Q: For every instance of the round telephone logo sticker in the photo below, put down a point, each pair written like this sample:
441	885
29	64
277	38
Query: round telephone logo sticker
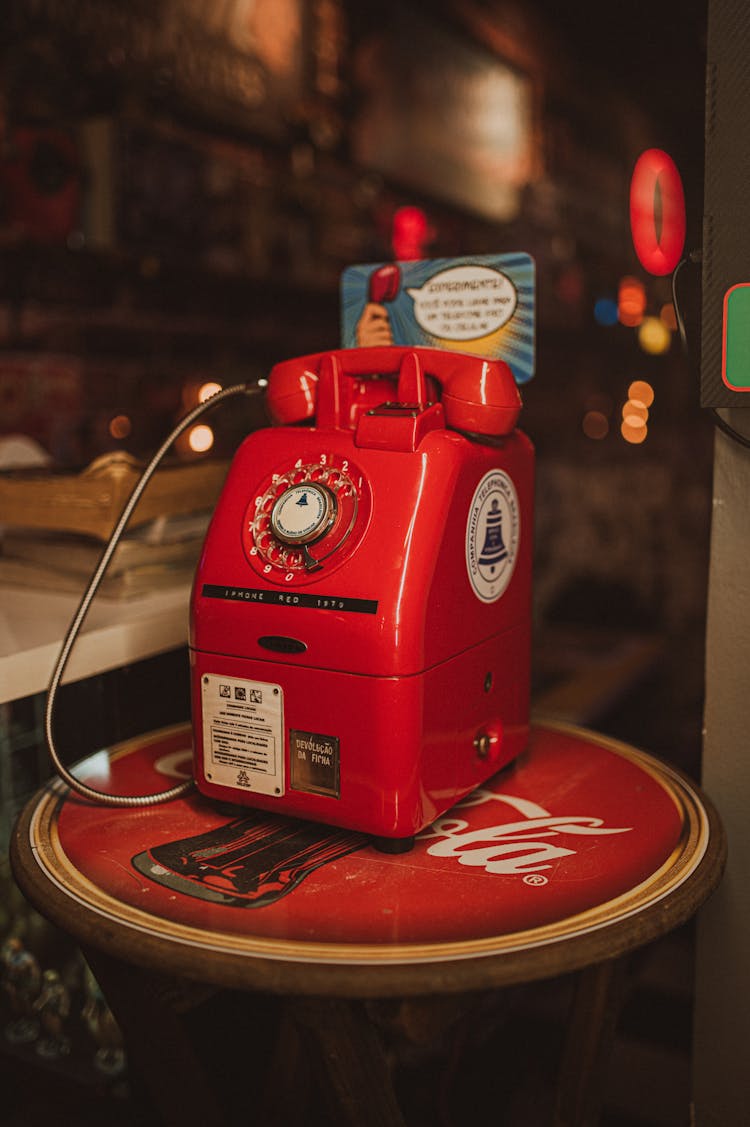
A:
492	532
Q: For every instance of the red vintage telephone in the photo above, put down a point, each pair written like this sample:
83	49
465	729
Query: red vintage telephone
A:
361	611
360	626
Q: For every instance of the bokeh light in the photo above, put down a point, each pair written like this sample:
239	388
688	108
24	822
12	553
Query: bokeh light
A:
207	390
634	434
595	425
605	311
635	413
201	439
410	234
631	302
653	336
634	426
641	392
668	316
120	426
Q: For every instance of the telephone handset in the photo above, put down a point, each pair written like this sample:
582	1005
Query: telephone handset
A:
477	395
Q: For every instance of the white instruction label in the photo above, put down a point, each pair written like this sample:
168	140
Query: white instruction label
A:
243	734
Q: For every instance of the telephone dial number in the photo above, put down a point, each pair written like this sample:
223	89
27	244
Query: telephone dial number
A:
305	519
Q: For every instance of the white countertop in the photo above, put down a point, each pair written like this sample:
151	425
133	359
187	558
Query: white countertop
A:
115	633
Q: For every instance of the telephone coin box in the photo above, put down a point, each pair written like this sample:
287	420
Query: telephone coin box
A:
361	612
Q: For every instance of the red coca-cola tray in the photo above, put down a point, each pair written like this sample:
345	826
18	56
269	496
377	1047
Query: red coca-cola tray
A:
581	838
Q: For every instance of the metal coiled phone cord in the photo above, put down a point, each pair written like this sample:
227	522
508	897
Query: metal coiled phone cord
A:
88	597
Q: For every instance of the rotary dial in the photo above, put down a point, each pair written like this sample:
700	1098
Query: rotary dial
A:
303	514
303	519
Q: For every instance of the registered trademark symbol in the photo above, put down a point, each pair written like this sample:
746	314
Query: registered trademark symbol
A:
536	880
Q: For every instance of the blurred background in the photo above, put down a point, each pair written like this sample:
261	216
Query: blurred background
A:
182	184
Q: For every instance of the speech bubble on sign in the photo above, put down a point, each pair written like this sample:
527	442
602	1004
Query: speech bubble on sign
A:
464	302
479	304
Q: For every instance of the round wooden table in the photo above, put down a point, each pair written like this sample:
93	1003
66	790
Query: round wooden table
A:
576	854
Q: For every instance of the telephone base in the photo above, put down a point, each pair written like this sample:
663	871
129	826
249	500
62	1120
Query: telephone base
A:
393	844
